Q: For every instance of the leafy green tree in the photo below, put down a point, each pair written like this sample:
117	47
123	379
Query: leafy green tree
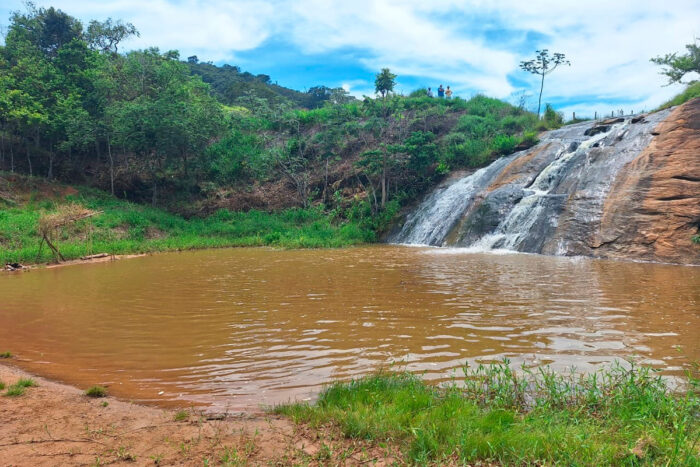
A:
388	159
106	35
58	29
543	65
384	82
677	66
164	115
339	96
46	29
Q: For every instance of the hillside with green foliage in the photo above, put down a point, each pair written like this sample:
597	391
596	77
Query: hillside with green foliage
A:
380	153
193	138
232	86
148	127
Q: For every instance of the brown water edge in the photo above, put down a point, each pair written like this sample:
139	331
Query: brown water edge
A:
236	328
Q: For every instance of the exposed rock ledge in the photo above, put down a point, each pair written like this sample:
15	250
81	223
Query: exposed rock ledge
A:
653	208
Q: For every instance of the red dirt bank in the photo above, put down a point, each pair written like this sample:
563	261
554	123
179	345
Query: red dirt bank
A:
54	424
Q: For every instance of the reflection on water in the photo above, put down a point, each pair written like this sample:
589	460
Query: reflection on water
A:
235	328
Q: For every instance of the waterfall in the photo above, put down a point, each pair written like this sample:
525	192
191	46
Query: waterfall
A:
437	214
542	200
521	220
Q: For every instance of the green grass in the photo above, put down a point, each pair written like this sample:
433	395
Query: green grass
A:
127	228
26	383
19	387
181	415
2	386
614	417
14	391
691	92
6	355
96	391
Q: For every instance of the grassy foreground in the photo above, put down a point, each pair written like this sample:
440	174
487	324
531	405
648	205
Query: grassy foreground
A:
614	417
121	227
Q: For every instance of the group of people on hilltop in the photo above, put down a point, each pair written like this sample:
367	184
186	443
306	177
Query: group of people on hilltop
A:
441	92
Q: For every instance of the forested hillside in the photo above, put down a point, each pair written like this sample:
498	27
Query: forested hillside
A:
194	138
232	86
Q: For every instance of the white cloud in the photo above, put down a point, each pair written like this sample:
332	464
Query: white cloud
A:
398	36
608	42
215	30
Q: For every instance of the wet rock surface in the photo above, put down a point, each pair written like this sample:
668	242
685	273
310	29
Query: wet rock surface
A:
619	188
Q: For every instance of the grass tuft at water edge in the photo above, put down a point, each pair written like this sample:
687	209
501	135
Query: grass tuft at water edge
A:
617	416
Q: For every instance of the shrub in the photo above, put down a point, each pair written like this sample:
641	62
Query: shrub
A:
552	118
471	153
96	391
453	139
511	123
529	138
483	106
476	126
504	144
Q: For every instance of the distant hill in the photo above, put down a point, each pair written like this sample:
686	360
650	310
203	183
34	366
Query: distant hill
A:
229	84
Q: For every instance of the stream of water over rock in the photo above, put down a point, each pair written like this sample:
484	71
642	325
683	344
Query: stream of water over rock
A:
547	199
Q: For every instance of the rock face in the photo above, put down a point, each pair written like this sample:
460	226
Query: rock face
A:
653	209
621	188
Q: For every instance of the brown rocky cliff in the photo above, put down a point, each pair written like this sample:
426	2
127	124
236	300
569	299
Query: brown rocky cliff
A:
653	209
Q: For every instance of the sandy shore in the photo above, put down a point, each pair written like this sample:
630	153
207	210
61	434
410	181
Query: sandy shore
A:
56	424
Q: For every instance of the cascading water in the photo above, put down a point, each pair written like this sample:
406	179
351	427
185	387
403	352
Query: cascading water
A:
438	213
543	200
518	224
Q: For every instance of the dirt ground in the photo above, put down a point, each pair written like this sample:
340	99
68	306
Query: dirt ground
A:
54	424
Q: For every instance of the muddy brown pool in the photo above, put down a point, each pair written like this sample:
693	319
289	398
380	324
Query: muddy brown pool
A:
235	328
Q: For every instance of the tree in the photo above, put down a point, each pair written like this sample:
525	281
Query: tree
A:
677	66
543	65
57	29
340	96
318	95
106	36
384	82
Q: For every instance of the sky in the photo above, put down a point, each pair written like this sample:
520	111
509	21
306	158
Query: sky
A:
475	46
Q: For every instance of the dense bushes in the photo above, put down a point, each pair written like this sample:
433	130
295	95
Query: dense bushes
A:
399	146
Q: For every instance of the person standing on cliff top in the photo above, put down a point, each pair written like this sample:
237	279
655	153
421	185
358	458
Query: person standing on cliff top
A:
448	93
441	92
429	93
